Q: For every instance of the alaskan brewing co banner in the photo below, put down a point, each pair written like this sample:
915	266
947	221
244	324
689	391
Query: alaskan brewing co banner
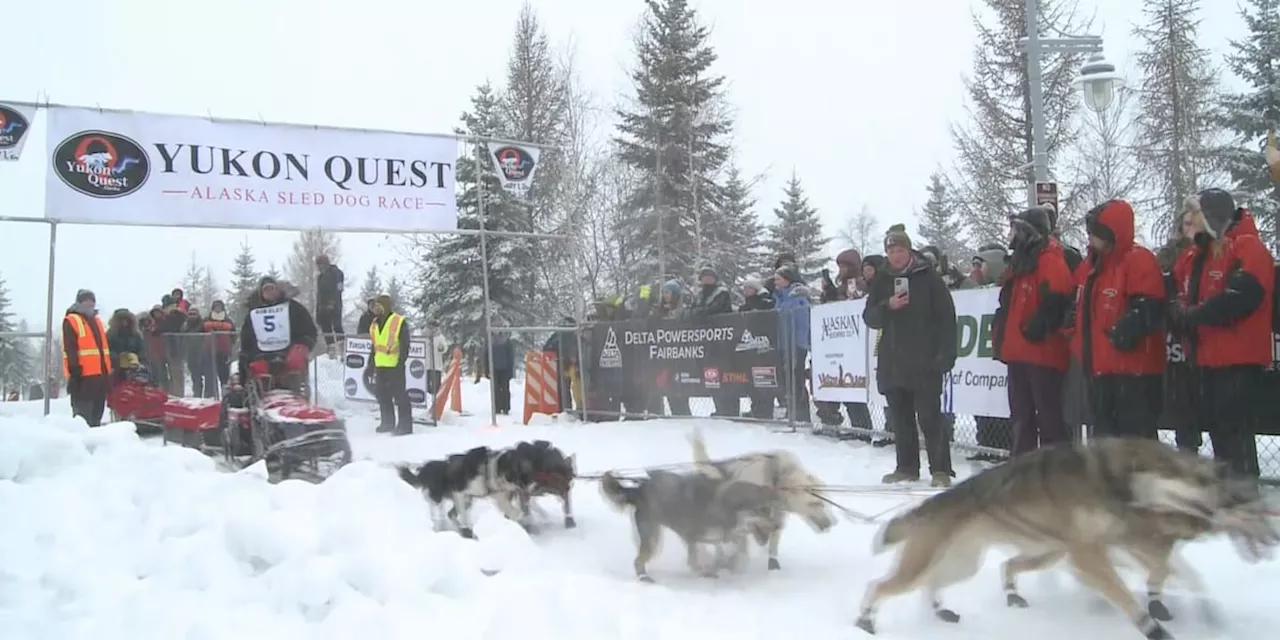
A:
839	352
978	384
730	353
151	169
15	125
356	386
515	165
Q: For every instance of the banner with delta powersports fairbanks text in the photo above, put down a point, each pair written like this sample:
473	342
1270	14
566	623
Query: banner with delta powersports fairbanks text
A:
115	167
729	354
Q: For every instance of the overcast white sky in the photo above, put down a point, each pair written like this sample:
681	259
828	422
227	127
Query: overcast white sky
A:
855	96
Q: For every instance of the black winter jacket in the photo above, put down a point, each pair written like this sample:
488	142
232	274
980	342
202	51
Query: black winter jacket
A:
918	341
329	285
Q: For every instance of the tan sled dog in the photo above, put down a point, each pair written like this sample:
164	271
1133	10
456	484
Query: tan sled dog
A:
779	471
1071	501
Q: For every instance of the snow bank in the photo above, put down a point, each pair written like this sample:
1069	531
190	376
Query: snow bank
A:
104	537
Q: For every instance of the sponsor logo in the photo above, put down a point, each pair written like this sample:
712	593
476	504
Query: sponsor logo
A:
355	361
350	387
515	163
841	380
417	396
610	354
735	377
711	378
686	378
417	369
753	343
838	327
13	126
101	164
764	377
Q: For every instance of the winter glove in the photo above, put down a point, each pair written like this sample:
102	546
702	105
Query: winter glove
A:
259	369
1123	340
296	358
73	384
1069	322
1034	332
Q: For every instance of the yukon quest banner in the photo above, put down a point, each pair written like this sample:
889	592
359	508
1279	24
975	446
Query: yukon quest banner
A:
839	353
358	381
141	168
726	354
15	128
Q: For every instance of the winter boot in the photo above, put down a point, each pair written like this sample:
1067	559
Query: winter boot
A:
941	481
900	476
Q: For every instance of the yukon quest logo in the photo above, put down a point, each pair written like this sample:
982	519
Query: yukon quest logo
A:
101	164
515	163
13	126
350	387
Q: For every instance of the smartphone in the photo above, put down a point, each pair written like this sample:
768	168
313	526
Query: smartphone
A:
899	286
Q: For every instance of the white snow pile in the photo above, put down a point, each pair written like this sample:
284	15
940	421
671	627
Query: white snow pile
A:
105	537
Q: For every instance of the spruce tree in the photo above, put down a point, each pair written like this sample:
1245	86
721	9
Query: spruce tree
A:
940	225
207	292
797	229
17	361
300	268
449	281
1176	107
191	281
994	146
733	238
396	294
372	286
675	137
244	282
1249	114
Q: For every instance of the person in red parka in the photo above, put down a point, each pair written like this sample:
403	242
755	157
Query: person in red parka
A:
1222	314
1119	335
1035	293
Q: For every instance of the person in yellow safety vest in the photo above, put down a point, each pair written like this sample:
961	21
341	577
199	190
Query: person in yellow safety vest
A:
390	333
86	358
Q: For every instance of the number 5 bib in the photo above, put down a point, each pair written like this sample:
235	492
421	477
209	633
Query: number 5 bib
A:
271	327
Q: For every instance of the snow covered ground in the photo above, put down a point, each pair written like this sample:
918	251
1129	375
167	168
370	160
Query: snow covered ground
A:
104	537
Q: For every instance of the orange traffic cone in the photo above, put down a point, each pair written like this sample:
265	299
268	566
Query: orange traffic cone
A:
541	389
450	388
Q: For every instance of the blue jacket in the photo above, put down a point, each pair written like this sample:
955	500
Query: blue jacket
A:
793	304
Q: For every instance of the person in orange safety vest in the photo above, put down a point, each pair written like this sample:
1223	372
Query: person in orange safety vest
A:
86	358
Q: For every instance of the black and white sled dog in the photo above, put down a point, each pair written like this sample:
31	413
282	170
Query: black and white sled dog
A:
779	471
509	476
699	508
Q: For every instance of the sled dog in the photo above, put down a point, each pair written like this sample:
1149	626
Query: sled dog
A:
698	508
1070	501
552	474
779	471
463	477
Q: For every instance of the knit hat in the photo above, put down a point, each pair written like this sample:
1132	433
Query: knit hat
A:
897	236
1218	209
849	257
755	284
1032	224
266	280
322	260
708	270
85	295
218	305
789	272
383	301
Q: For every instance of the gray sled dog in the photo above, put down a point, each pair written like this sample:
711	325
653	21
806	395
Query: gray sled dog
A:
1076	502
779	471
698	508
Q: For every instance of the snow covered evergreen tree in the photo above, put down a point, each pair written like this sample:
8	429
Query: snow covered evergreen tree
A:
449	280
797	229
674	136
940	225
1176	107
191	282
733	237
1252	112
17	361
244	281
397	295
372	286
207	292
994	147
300	268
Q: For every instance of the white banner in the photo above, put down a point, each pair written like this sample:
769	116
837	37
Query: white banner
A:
15	125
163	170
356	386
515	165
978	384
839	352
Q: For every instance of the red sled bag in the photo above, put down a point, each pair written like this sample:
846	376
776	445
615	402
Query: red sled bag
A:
191	414
136	400
284	407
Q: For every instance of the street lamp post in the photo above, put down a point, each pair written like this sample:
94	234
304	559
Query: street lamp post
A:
1097	79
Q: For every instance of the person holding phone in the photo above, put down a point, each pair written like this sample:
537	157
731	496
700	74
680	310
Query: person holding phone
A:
910	305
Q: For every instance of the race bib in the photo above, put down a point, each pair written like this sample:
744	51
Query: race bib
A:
271	327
